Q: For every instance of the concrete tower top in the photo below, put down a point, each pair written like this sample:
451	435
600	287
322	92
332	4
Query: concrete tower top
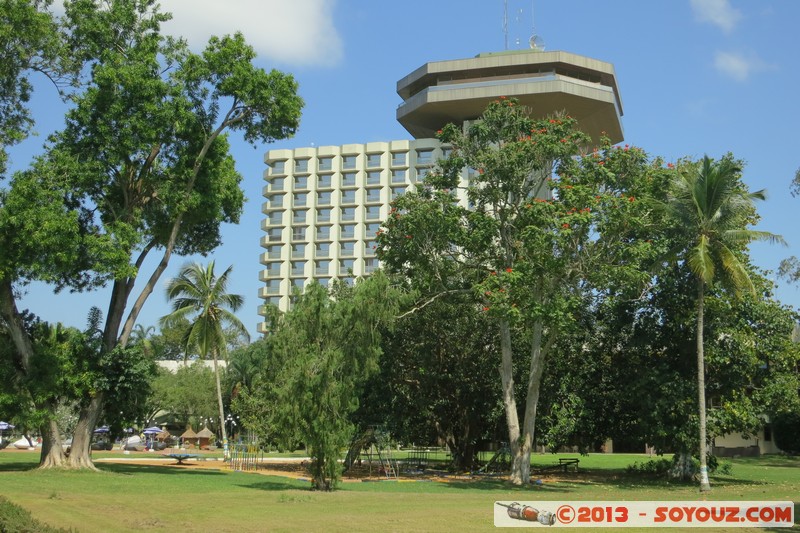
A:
455	91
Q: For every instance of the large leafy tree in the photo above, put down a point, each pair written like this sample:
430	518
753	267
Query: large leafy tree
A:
432	384
541	222
711	209
144	165
200	296
321	353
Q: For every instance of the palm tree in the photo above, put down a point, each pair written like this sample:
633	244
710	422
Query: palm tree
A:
199	295
711	210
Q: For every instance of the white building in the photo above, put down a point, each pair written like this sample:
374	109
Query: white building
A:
324	205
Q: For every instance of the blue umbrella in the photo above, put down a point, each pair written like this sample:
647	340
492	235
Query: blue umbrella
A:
5	425
152	430
103	429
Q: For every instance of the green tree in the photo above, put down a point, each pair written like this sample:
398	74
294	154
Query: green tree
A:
198	295
145	165
432	386
188	394
541	221
322	352
711	208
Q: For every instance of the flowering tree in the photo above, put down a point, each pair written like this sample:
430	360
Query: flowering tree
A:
541	223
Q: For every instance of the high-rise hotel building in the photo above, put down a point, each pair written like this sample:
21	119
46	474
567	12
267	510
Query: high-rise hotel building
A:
324	205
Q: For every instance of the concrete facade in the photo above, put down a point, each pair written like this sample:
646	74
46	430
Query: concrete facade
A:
324	205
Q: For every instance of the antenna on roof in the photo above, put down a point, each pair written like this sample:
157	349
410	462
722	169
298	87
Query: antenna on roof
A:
536	42
505	22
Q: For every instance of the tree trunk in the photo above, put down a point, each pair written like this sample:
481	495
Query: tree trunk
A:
52	451
705	486
221	410
538	354
510	404
80	455
53	455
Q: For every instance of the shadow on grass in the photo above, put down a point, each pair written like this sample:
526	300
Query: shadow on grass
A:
272	484
18	467
128	469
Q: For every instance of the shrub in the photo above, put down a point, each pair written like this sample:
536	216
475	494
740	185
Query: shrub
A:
786	429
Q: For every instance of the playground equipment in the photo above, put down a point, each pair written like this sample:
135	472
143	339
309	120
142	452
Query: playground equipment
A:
245	457
373	445
500	463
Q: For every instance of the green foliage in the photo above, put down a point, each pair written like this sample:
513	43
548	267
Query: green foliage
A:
322	352
188	394
436	381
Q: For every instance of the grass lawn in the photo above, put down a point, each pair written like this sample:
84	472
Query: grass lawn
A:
136	497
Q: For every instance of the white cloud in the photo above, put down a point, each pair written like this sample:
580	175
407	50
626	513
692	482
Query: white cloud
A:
737	66
717	12
295	32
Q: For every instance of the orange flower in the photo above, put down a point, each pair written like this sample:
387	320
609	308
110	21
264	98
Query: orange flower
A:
565	225
509	270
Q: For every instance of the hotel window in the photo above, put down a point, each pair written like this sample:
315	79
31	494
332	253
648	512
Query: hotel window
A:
345	266
370	247
298	251
298	268
370	265
274	270
298	234
348	280
276	184
278	167
446	152
349	162
273	300
298	284
325	181
325	163
347	231
321	268
274	201
323	233
425	156
324	214
324	281
398	159
422	173
273	286
348	197
323	249
372	212
374	177
301	165
373	195
399	175
300	199
349	179
348	214
301	182
324	198
373	160
347	249
274	235
275	218
397	191
274	251
299	217
370	230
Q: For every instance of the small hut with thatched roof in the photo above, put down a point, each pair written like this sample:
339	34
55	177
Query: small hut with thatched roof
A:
189	438
204	438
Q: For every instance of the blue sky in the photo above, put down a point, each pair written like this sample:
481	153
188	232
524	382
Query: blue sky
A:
696	77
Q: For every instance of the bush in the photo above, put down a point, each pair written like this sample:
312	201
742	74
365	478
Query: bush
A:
653	467
15	519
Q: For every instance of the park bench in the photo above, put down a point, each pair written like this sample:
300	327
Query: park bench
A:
181	457
565	462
